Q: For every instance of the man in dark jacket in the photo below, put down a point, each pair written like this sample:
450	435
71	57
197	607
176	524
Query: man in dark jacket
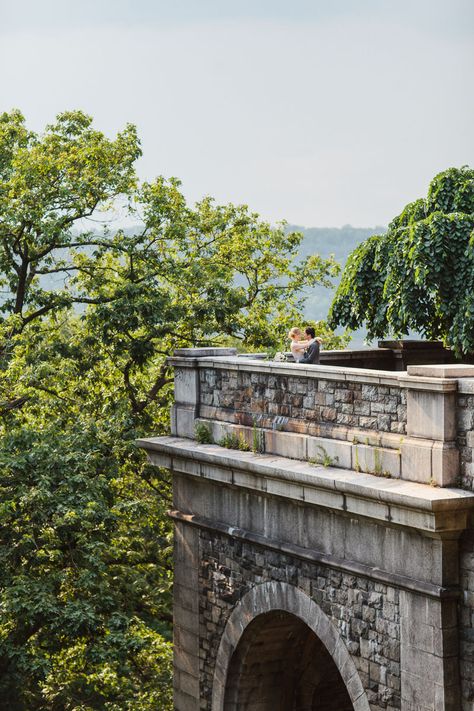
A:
311	355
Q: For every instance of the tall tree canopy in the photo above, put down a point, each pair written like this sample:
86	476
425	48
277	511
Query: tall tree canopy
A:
88	319
47	185
419	276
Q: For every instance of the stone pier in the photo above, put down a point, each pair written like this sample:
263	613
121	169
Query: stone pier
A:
324	554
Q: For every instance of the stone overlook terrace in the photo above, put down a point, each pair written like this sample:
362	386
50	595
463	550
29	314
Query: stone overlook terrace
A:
324	545
414	425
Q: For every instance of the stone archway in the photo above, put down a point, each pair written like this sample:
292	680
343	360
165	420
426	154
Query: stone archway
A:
309	656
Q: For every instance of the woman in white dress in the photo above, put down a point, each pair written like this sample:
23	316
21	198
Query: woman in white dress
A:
298	343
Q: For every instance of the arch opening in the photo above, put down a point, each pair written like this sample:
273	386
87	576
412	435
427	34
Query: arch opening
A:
280	664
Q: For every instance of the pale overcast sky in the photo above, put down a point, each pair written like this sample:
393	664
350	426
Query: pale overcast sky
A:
320	112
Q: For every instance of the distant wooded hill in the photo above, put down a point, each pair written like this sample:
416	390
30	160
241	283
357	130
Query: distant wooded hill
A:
339	241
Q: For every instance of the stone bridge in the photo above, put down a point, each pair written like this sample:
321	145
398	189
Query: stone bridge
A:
324	547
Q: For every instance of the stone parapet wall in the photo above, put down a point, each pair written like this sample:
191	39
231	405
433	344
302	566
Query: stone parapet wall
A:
465	433
301	405
401	424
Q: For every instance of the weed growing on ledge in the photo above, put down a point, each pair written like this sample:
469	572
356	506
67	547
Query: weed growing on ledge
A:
203	433
384	474
233	441
323	458
258	439
356	460
377	463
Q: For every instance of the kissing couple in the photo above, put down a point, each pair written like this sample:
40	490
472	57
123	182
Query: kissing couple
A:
305	349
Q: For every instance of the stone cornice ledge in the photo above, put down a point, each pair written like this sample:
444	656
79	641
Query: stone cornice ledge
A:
435	511
347	566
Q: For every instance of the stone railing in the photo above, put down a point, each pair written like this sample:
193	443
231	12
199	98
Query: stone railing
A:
415	424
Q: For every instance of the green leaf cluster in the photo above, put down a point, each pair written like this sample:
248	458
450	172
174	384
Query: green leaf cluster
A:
419	276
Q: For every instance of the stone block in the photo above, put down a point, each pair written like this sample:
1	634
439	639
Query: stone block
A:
216	429
204	352
431	415
416	460
330	452
367	507
438	370
320	497
419	635
465	419
286	444
441	613
328	414
369	423
189	684
186	552
360	704
287	489
186	598
158	459
444	464
186	386
211	471
417	692
183	421
184	639
184	661
187	466
184	702
376	460
248	480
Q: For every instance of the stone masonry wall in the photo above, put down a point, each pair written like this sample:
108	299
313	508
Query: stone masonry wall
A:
304	404
365	612
465	442
465	438
466	621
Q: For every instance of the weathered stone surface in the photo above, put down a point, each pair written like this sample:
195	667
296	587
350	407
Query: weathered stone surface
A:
204	352
381	566
247	396
230	569
431	415
449	370
465	438
186	619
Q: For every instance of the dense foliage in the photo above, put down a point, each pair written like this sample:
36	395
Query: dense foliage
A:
88	319
419	276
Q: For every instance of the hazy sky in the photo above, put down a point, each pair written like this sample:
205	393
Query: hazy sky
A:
320	112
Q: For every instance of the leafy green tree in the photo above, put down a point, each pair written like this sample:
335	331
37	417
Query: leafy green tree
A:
85	568
48	185
419	276
82	594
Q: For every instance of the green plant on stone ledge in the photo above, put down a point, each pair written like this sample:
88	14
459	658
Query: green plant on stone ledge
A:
258	439
233	441
323	458
203	433
377	462
356	458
